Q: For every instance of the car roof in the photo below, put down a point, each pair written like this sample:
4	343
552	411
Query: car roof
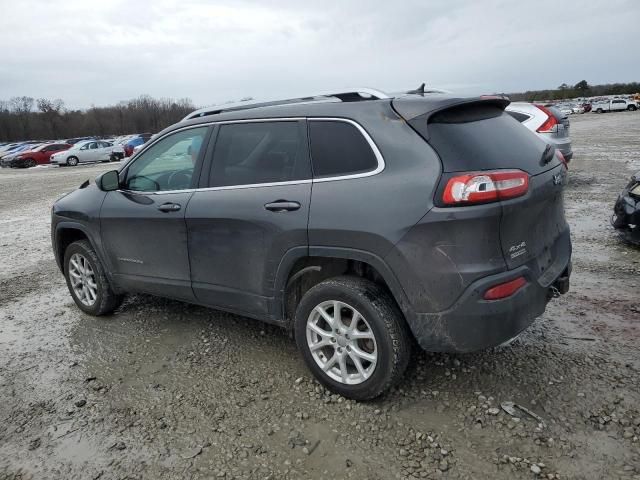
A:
352	104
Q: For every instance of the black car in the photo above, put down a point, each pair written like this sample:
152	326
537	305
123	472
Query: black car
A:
626	216
356	220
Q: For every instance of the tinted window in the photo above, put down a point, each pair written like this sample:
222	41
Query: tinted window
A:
618	101
168	164
483	137
521	117
338	148
263	152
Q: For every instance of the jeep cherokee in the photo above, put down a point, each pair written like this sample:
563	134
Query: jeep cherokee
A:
356	220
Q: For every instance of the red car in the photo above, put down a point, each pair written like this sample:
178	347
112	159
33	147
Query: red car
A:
40	155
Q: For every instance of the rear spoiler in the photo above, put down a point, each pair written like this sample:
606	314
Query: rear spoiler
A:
417	110
411	106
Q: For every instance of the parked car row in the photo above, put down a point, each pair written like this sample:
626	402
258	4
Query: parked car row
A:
598	105
70	151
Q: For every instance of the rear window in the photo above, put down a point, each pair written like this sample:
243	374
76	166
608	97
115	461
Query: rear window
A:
521	117
339	148
484	137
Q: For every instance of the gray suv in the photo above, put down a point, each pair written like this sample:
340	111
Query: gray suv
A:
360	222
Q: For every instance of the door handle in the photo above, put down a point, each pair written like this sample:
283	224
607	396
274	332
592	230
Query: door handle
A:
282	206
169	207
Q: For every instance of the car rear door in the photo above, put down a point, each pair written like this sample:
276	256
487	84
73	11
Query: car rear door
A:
104	150
143	223
618	105
252	211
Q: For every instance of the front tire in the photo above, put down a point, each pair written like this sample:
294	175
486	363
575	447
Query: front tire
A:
352	337
632	108
30	163
87	281
72	161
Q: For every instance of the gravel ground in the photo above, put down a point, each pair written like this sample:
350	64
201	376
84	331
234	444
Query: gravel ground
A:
167	390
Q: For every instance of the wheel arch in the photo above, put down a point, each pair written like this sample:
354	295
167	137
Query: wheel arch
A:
68	232
299	272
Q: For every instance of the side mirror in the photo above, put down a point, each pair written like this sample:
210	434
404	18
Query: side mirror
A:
108	181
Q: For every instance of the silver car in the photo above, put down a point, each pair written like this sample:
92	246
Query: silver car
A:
548	123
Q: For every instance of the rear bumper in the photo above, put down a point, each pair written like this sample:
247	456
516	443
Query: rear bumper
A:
473	323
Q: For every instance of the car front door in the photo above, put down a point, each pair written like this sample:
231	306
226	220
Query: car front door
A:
253	211
85	152
143	223
43	155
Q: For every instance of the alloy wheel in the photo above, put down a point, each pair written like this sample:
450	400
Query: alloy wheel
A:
83	279
342	342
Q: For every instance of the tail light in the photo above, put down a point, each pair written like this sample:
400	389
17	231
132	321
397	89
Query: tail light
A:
485	187
550	124
505	290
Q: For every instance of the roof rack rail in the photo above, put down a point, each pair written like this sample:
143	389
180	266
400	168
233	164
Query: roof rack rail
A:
350	95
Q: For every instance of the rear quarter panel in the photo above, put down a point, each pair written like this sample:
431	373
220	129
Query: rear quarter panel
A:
373	213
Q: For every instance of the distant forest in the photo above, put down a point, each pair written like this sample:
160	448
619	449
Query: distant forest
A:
580	89
26	118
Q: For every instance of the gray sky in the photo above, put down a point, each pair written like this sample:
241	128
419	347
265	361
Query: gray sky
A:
99	52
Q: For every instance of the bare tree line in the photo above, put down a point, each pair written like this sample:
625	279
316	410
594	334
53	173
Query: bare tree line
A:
580	89
26	118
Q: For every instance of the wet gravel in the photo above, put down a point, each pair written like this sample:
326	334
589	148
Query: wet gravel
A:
165	390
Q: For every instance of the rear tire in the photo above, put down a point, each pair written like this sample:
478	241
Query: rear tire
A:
87	281
72	161
358	361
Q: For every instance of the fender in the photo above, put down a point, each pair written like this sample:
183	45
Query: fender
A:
95	243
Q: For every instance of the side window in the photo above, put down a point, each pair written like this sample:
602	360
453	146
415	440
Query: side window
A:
260	152
93	145
168	164
339	148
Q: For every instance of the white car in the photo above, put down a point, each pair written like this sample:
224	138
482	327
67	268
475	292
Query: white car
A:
577	108
548	123
613	105
565	108
87	151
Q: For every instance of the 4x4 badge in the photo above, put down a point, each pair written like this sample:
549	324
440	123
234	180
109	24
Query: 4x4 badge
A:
557	179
